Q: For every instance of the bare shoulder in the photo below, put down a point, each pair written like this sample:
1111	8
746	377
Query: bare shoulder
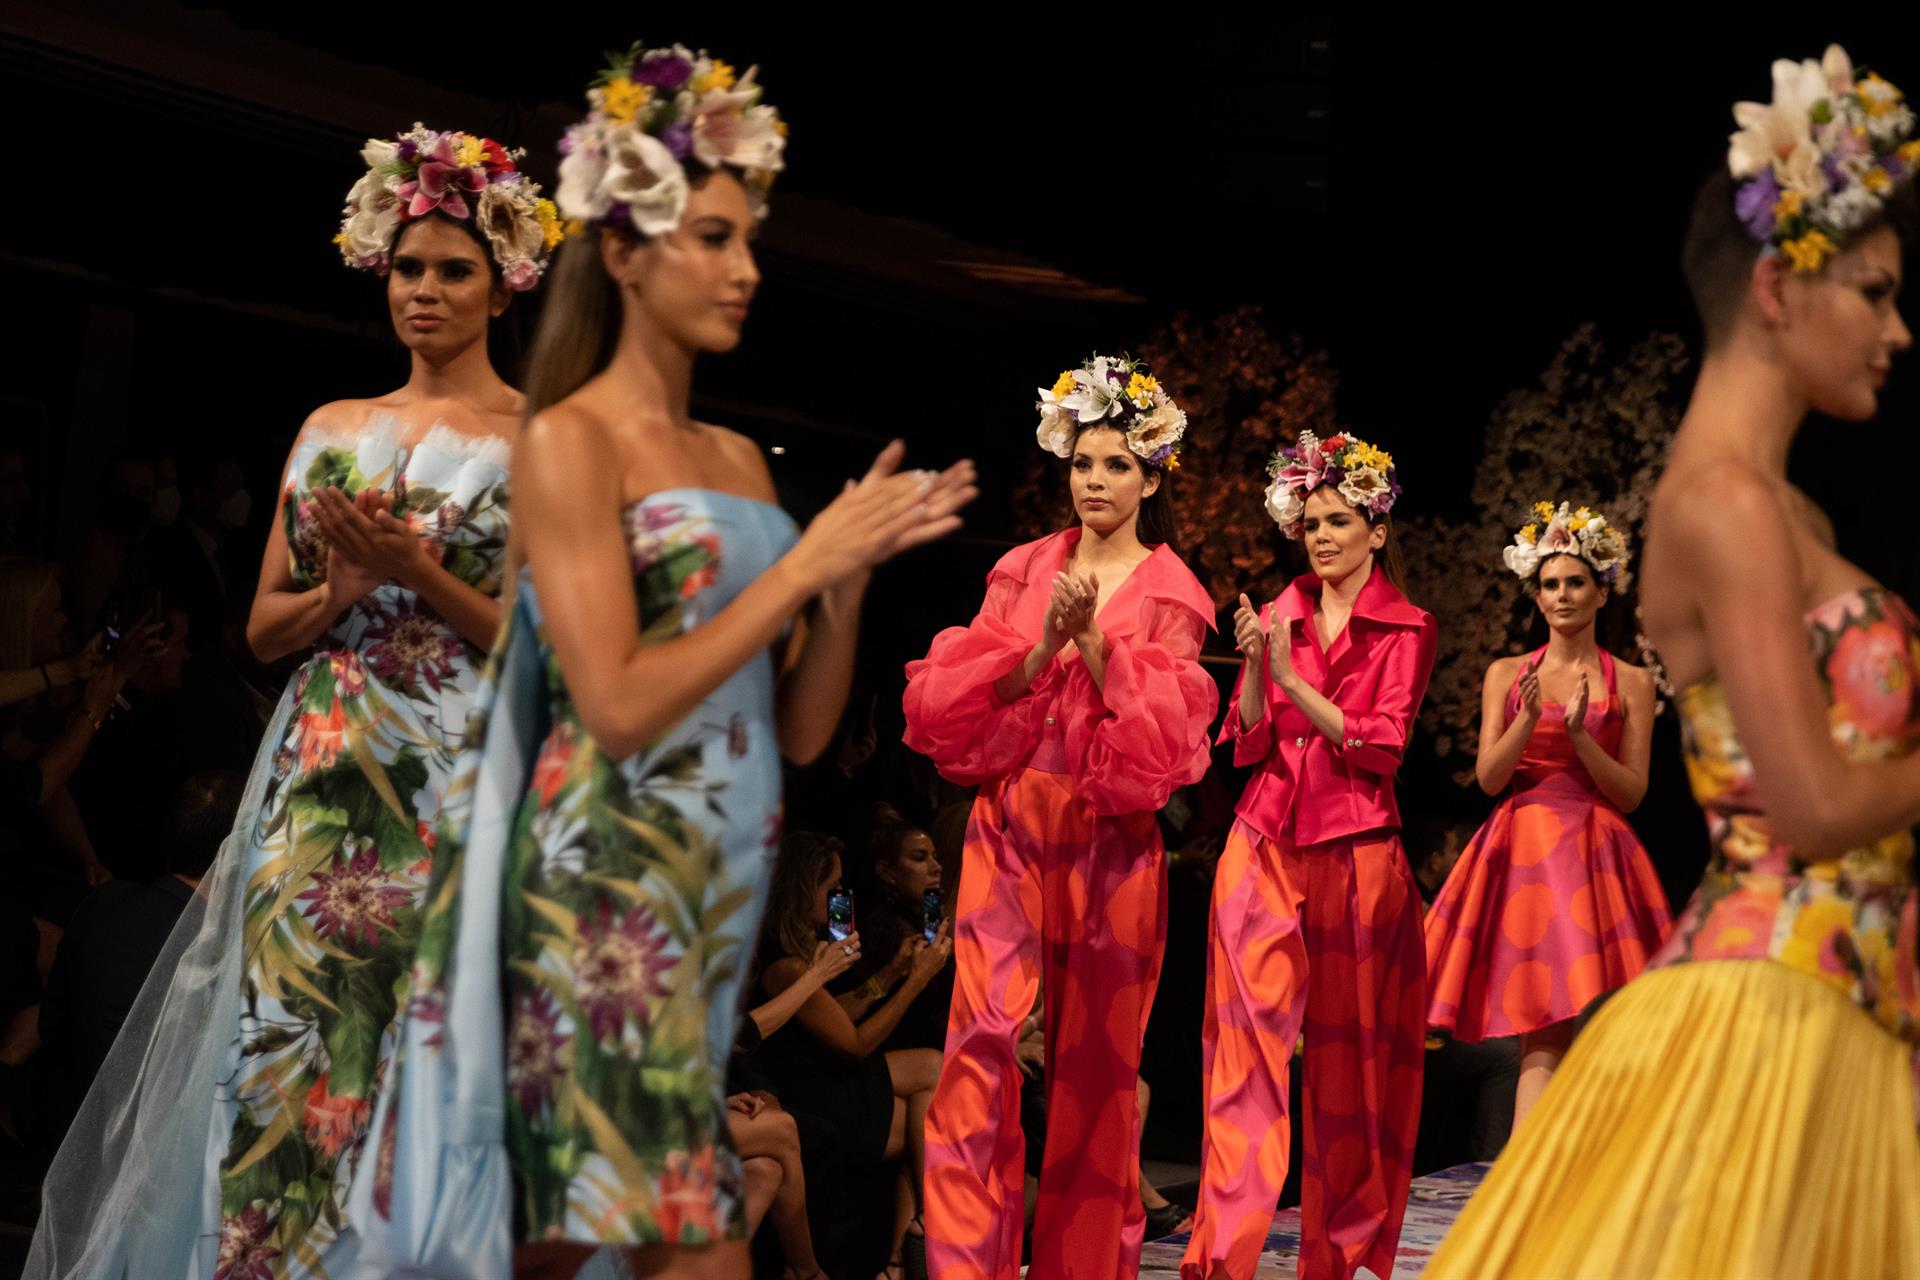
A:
338	416
569	444
1632	677
743	453
1721	499
1503	670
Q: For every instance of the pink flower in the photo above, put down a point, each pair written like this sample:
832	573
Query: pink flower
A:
441	184
617	964
406	646
334	1123
534	1045
1872	684
349	673
687	1196
556	758
244	1254
356	900
322	736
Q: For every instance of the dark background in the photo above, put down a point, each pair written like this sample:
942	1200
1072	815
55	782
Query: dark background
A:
973	201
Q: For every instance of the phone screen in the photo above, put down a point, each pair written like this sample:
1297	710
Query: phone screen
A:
840	913
930	904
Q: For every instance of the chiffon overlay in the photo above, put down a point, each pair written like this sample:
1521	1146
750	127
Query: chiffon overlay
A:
1063	877
1553	902
1747	1107
1315	926
596	914
228	1124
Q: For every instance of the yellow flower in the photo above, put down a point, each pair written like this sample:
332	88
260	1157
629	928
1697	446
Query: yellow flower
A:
1877	180
1580	520
1366	455
1810	252
1909	151
1543	511
719	76
574	227
1530	534
1814	928
1063	385
552	231
1877	96
780	127
341	238
1140	390
1789	204
472	151
1173	460
623	99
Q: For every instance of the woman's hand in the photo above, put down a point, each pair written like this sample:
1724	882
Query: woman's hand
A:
933	956
1280	651
880	515
385	547
831	959
1074	599
1528	682
1248	634
1576	715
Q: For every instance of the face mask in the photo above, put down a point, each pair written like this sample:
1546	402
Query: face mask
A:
166	505
235	510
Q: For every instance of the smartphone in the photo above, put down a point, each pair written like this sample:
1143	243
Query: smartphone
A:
840	913
930	905
115	632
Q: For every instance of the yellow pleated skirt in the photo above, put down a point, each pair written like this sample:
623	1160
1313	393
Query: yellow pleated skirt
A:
1731	1118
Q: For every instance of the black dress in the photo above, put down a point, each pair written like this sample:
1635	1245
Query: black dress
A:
855	1096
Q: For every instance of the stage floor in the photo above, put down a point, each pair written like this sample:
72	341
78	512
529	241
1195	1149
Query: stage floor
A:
1435	1201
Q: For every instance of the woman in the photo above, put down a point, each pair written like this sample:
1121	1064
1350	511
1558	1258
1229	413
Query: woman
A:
387	560
1076	701
891	887
1554	901
1746	1108
1315	918
628	787
830	1060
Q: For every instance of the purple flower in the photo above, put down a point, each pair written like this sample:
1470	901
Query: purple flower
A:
678	138
1837	177
534	1048
406	646
1754	206
618	963
244	1252
408	148
356	900
662	70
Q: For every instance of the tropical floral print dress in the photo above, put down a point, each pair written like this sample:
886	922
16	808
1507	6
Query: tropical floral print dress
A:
341	851
631	894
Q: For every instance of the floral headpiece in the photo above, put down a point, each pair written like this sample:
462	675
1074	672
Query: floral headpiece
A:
462	175
1819	161
1117	392
1363	474
1569	531
649	113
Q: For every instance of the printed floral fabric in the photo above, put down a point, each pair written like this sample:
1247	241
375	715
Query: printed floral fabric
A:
1849	920
342	849
632	896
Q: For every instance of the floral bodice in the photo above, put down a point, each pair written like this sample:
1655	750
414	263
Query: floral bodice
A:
1848	920
451	489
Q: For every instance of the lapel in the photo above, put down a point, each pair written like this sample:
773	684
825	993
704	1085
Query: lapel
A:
1379	606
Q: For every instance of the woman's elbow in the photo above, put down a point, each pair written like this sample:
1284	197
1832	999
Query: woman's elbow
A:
616	734
802	747
1487	782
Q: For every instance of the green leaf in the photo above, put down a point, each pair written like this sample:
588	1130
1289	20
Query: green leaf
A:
352	1033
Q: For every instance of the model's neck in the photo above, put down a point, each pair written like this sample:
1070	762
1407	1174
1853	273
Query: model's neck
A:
1572	648
467	376
654	369
1745	407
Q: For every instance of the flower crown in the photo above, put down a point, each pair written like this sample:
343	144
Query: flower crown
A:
1569	531
649	113
1363	474
1115	391
1821	159
462	175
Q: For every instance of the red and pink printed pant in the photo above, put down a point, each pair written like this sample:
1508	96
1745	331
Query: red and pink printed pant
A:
1326	937
1046	887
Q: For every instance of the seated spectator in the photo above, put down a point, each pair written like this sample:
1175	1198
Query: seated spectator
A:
115	936
827	1063
891	888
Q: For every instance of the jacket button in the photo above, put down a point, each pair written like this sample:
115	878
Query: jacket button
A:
1299	742
1049	719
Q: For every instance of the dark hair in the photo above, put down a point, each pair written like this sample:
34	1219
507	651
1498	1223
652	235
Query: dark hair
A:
1155	523
203	814
467	226
1718	254
1387	558
796	875
1532	583
580	318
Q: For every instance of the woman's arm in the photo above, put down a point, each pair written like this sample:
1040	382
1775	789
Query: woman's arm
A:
1744	583
1623	781
1503	743
821	1015
567	508
286	618
373	537
830	959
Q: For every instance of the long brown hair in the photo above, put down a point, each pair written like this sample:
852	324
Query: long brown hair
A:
1154	523
804	858
1387	559
579	323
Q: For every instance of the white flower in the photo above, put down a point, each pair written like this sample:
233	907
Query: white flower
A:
1850	206
383	159
1557	539
1286	508
1837	69
1521	557
1055	432
582	192
373	219
1156	430
643	175
1361	485
1773	132
1093	397
510	224
1603	545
